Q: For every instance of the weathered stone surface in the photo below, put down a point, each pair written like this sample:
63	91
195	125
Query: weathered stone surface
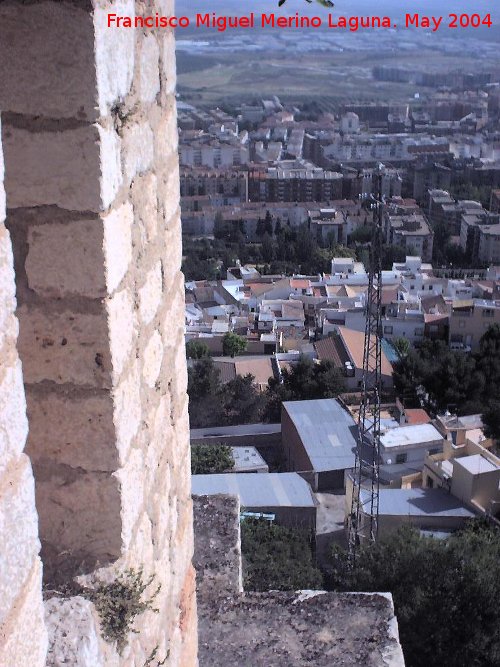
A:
23	637
2	178
150	295
138	150
65	347
110	451
127	413
149	69
152	360
111	177
60	168
297	629
79	511
75	636
114	54
217	546
13	422
122	324
8	323
76	430
45	60
118	244
144	189
18	530
67	260
168	62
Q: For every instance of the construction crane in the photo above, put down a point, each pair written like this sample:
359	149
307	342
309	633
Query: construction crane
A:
363	521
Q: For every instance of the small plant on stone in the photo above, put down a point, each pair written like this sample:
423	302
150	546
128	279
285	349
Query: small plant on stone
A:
118	603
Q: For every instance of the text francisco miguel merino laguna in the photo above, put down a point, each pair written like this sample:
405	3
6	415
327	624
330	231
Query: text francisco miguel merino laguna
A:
353	23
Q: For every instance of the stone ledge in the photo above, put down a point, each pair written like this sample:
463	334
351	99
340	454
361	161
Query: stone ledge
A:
309	628
217	551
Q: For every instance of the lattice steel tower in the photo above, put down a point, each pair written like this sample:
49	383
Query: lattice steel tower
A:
363	521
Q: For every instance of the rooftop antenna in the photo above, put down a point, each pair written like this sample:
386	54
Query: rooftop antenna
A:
363	522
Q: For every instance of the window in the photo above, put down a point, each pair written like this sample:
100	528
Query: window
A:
388	330
419	331
461	324
401	458
487	312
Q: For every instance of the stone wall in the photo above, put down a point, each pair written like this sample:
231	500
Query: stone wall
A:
92	186
22	630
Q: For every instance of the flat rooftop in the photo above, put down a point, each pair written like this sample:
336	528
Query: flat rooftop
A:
405	436
285	489
327	431
476	464
421	502
248	459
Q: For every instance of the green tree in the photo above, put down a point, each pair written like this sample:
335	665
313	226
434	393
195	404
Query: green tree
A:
277	558
445	592
402	347
268	249
241	402
306	380
196	350
232	344
211	459
491	420
204	386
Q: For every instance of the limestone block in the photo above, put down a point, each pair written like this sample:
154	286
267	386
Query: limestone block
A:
150	295
166	137
111	168
114	54
74	635
13	421
8	324
122	330
23	638
149	69
140	551
18	530
172	256
76	431
66	260
144	199
55	168
127	410
118	244
137	150
79	511
65	347
2	178
168	62
47	60
132	488
168	190
152	359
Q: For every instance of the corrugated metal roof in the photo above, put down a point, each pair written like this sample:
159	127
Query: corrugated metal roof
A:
420	502
328	432
286	489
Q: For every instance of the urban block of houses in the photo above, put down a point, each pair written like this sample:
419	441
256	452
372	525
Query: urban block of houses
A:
345	348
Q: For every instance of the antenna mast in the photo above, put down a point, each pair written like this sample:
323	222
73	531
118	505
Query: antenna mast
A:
363	523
